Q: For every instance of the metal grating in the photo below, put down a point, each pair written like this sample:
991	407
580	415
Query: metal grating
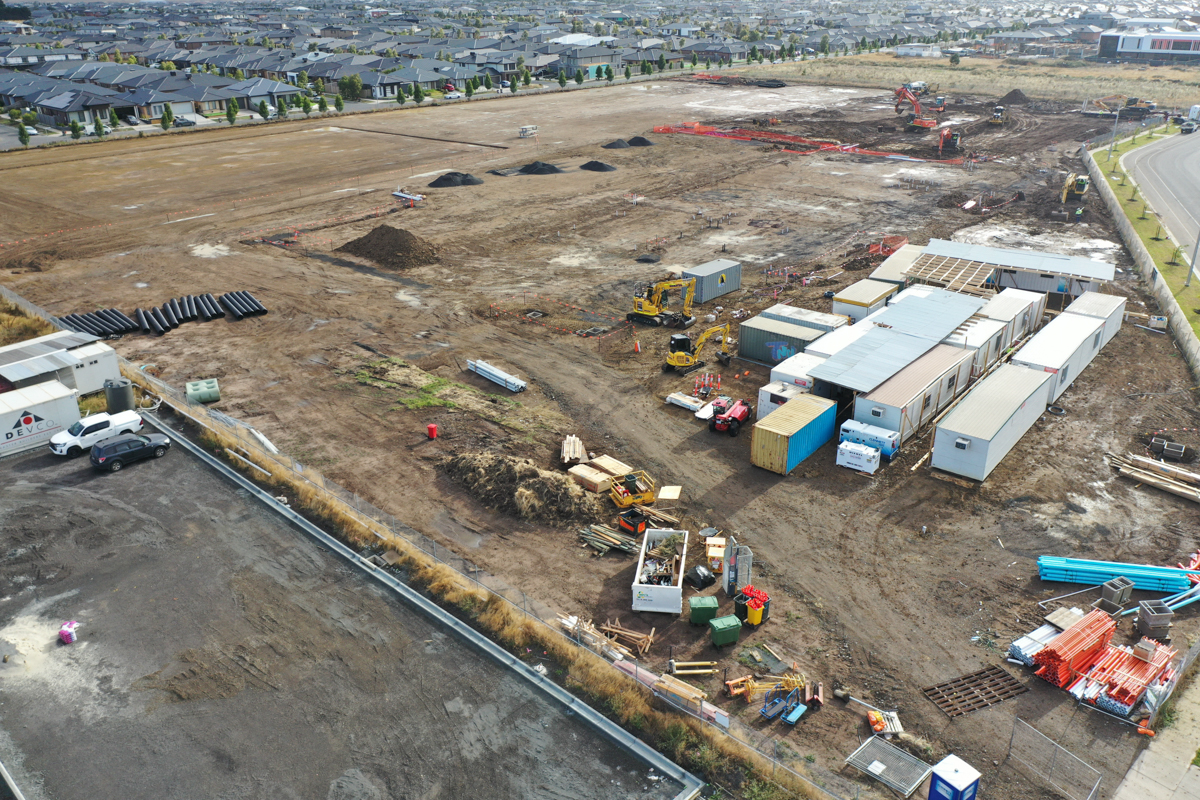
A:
890	765
974	691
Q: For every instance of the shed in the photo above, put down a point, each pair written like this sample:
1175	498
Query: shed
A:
1108	307
808	319
1019	310
774	395
769	341
976	435
715	278
860	299
916	394
793	433
984	338
894	267
1064	347
795	370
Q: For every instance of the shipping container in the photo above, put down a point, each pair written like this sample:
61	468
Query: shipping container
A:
665	597
1064	347
29	417
802	316
917	393
770	341
860	299
792	433
1021	311
885	441
715	278
858	457
774	395
795	370
984	338
1107	307
977	433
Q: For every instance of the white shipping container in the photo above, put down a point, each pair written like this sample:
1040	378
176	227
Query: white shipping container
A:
858	457
794	370
774	395
29	417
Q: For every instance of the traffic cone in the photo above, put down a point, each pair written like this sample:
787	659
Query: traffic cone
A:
718	383
696	388
637	347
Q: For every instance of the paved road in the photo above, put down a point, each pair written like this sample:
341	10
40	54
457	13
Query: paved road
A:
1168	173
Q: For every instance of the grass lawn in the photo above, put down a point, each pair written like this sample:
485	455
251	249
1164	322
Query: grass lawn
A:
1161	249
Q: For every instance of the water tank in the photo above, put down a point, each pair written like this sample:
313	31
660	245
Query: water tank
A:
118	394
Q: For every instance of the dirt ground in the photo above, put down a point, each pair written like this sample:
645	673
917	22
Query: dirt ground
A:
222	651
863	598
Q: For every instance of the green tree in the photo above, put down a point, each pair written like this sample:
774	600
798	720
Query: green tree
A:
29	118
513	84
526	77
98	128
694	59
825	44
23	136
263	111
401	97
338	102
76	130
708	63
469	90
608	73
753	53
113	119
955	60
579	76
165	121
319	85
302	79
167	65
350	87
562	79
628	72
487	81
418	94
322	104
231	110
662	62
306	106
238	75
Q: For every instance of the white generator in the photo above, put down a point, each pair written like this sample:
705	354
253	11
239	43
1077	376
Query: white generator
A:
858	457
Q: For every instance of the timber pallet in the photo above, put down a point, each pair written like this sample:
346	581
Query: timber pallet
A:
974	691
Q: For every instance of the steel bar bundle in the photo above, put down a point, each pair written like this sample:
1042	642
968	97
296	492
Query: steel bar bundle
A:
1161	476
1077	650
1145	577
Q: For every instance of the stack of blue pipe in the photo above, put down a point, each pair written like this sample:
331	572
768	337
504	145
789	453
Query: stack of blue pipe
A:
1093	573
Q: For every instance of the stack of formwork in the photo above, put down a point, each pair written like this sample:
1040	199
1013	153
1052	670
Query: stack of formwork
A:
1077	650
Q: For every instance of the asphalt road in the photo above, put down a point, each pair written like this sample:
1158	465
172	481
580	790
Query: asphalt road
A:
1168	173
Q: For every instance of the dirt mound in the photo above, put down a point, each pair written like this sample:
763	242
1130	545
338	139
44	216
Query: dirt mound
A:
640	141
828	113
952	200
617	144
392	248
649	258
598	166
1014	98
455	179
518	486
538	168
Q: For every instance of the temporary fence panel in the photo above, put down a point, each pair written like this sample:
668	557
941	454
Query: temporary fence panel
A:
793	433
1052	763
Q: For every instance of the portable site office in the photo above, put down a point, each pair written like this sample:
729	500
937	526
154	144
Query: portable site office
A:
795	370
769	341
1107	307
980	431
715	278
804	317
860	299
984	338
1020	311
1064	347
916	394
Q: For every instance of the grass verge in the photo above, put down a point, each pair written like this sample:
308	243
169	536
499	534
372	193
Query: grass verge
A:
17	325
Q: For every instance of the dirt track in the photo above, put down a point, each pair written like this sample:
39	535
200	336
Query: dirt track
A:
864	599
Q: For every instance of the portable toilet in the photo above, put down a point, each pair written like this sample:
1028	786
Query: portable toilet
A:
953	779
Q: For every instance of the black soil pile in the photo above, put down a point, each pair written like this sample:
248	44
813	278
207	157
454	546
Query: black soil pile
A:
455	179
619	144
640	141
518	486
392	248
1014	98
952	200
770	84
598	166
649	258
539	168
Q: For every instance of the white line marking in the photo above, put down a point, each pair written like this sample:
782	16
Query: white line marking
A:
185	219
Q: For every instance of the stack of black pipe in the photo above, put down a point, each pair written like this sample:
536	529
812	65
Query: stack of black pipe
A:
109	322
171	314
242	304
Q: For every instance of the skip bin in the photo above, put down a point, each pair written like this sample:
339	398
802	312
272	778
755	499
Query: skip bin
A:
725	630
703	609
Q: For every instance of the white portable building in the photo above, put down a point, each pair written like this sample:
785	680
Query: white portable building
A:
984	338
862	298
1021	311
836	341
794	370
29	417
894	268
77	360
1064	347
1107	307
980	431
916	394
774	395
97	364
803	316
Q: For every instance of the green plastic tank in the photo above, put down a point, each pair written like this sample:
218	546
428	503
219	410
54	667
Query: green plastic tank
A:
203	391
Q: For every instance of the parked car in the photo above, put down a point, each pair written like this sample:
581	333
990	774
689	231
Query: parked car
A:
114	454
1187	127
455	96
504	84
94	429
29	129
132	120
91	130
184	122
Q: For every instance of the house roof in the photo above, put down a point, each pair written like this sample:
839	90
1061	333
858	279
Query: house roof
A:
989	406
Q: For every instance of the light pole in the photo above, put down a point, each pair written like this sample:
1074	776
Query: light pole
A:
1192	264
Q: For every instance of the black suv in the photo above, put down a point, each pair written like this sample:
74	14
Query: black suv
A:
118	451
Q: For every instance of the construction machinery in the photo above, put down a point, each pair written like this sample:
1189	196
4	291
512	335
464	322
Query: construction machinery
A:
949	139
938	105
1075	187
634	489
729	417
650	305
920	88
1124	107
999	115
684	355
917	120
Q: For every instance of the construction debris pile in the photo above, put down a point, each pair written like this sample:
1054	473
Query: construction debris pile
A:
518	486
392	248
172	314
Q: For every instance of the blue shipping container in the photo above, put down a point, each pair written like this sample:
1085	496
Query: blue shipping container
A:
792	433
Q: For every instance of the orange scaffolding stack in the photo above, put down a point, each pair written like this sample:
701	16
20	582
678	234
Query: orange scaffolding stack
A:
1079	648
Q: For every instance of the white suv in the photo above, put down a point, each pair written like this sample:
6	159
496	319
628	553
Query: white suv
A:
90	430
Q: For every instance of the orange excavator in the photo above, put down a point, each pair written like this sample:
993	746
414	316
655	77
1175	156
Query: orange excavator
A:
917	119
949	139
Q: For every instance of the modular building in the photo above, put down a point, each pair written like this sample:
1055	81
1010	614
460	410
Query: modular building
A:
833	343
978	269
980	431
802	316
1064	348
715	278
860	299
917	393
29	417
794	370
894	268
792	433
774	395
984	338
1019	310
769	341
76	360
1107	307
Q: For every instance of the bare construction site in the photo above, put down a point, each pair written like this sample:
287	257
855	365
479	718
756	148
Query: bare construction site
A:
882	585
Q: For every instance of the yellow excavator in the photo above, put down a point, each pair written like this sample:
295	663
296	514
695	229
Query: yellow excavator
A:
1075	187
650	305
684	355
